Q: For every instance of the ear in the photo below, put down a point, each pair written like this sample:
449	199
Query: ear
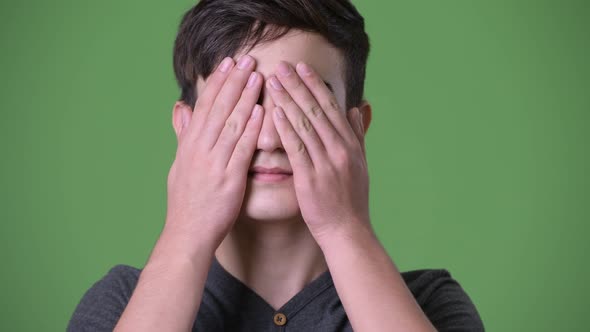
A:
181	116
366	115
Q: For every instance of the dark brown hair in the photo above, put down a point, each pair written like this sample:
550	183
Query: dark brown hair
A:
214	29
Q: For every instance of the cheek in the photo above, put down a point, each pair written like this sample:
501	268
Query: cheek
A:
339	94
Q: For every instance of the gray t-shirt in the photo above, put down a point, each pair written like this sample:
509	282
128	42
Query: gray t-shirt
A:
229	305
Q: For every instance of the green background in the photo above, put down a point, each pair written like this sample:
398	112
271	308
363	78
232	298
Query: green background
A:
478	149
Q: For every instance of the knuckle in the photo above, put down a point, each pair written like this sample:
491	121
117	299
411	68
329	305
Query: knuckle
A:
304	124
231	125
333	104
301	147
314	110
341	156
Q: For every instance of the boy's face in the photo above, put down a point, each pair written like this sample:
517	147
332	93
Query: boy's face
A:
268	201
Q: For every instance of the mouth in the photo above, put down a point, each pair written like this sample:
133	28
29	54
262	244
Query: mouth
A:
275	174
269	177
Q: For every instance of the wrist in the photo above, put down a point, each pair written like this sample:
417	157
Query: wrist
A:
179	245
346	232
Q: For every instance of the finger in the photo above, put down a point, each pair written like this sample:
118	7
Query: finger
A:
226	100
298	121
297	89
327	100
210	92
296	150
241	156
236	122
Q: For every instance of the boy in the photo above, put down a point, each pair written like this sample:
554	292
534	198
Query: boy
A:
267	224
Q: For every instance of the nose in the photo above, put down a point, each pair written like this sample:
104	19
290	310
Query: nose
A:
269	139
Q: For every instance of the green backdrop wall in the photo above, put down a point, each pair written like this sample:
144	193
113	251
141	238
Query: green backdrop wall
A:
478	150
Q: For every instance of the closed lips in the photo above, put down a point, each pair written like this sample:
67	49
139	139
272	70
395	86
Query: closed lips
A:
273	170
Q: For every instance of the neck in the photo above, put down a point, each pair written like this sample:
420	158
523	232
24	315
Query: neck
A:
276	259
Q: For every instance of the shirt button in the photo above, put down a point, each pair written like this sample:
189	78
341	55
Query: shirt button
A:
280	319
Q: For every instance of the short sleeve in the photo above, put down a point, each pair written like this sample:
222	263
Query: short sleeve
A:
447	305
103	303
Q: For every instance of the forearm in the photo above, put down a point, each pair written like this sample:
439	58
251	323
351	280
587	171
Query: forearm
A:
372	290
170	287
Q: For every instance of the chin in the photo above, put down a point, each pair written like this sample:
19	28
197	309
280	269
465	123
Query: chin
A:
270	204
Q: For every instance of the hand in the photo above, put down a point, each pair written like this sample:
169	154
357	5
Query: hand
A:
326	150
216	142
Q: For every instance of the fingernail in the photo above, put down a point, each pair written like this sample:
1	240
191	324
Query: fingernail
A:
274	82
244	62
252	79
225	65
284	69
303	68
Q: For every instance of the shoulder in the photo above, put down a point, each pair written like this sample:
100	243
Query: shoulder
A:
103	303
443	300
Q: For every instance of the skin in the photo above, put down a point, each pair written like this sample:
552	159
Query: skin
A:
318	219
270	212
